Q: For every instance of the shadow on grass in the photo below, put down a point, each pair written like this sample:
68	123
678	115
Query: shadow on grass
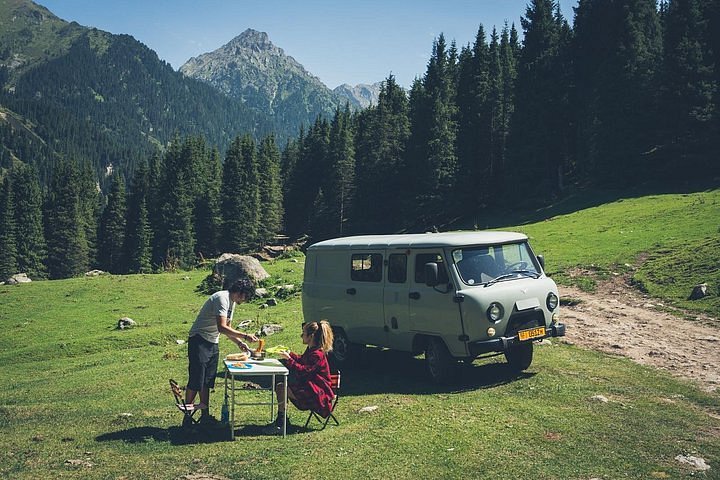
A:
386	371
189	436
174	435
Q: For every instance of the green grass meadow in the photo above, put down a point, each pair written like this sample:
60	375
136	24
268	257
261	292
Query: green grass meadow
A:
71	377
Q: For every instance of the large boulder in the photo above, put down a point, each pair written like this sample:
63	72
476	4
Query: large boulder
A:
18	278
231	267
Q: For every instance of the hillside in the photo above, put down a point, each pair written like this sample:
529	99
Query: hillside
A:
101	98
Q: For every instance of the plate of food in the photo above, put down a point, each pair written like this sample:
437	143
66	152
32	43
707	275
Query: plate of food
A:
240	365
276	349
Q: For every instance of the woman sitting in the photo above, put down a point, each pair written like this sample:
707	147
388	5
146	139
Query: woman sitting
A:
309	387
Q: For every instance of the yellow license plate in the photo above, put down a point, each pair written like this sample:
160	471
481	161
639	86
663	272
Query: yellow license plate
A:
531	333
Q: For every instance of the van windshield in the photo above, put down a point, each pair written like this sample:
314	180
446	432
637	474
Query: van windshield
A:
480	265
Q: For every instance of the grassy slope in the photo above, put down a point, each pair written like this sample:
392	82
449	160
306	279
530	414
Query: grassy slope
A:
678	232
69	375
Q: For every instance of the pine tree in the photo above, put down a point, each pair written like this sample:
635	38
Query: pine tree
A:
241	196
8	258
90	207
271	198
178	209
65	223
380	180
616	58
138	236
540	125
156	200
207	207
339	177
305	178
687	90
434	131
30	238
111	236
508	73
474	132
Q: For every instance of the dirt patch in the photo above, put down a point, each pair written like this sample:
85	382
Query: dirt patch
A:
618	319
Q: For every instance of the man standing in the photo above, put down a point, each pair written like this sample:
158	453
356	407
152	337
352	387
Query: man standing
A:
203	351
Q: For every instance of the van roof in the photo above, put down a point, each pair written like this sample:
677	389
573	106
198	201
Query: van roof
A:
420	240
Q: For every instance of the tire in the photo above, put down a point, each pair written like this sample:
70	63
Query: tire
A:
440	365
520	357
343	352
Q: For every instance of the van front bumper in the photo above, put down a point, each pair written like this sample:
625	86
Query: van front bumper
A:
502	344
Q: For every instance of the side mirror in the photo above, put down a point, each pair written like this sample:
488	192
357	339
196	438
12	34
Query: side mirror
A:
431	274
541	259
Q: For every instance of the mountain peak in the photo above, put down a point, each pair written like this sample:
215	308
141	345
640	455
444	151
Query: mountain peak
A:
250	67
251	36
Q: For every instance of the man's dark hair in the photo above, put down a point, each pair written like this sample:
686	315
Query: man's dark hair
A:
243	286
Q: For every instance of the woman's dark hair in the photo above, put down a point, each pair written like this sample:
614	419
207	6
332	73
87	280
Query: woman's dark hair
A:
243	286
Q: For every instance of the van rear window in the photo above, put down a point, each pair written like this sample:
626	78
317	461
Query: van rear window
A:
366	267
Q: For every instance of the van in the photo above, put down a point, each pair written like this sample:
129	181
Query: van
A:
452	296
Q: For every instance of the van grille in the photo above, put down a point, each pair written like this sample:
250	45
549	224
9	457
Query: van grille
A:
525	319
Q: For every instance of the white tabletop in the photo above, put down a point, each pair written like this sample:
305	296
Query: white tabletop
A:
269	366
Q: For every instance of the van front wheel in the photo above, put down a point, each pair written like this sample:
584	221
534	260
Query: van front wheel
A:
520	357
439	363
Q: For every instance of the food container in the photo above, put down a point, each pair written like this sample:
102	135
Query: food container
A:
258	355
237	357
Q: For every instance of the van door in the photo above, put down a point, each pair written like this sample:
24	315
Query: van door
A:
364	295
397	318
432	309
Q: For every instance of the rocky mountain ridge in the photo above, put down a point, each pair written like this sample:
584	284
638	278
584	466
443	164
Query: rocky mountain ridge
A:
251	68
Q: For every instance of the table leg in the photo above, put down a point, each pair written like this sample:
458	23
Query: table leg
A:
285	377
272	397
232	405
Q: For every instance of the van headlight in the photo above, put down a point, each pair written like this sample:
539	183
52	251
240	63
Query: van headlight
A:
495	312
551	301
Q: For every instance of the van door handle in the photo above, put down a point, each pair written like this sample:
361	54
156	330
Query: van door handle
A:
414	295
351	291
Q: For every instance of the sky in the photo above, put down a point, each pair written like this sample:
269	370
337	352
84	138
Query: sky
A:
356	42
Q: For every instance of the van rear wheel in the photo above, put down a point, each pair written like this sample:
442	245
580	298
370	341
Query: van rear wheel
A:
343	351
441	367
520	357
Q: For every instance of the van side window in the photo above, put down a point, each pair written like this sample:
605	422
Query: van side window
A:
366	267
397	268
423	258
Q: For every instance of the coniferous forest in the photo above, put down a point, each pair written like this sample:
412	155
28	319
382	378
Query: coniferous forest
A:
626	95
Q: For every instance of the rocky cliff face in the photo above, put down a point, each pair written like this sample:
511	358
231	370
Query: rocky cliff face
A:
359	96
251	68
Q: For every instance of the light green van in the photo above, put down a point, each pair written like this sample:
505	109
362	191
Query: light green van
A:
454	296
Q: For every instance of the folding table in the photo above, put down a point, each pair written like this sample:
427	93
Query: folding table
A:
269	367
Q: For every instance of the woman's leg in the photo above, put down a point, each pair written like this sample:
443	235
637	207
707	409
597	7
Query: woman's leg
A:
280	395
282	403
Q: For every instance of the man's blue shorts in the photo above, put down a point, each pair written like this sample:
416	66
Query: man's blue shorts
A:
202	363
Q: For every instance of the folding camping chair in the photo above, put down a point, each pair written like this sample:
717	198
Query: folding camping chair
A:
335	384
188	409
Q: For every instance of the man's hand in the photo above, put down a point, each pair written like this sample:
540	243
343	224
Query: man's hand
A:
250	337
243	346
